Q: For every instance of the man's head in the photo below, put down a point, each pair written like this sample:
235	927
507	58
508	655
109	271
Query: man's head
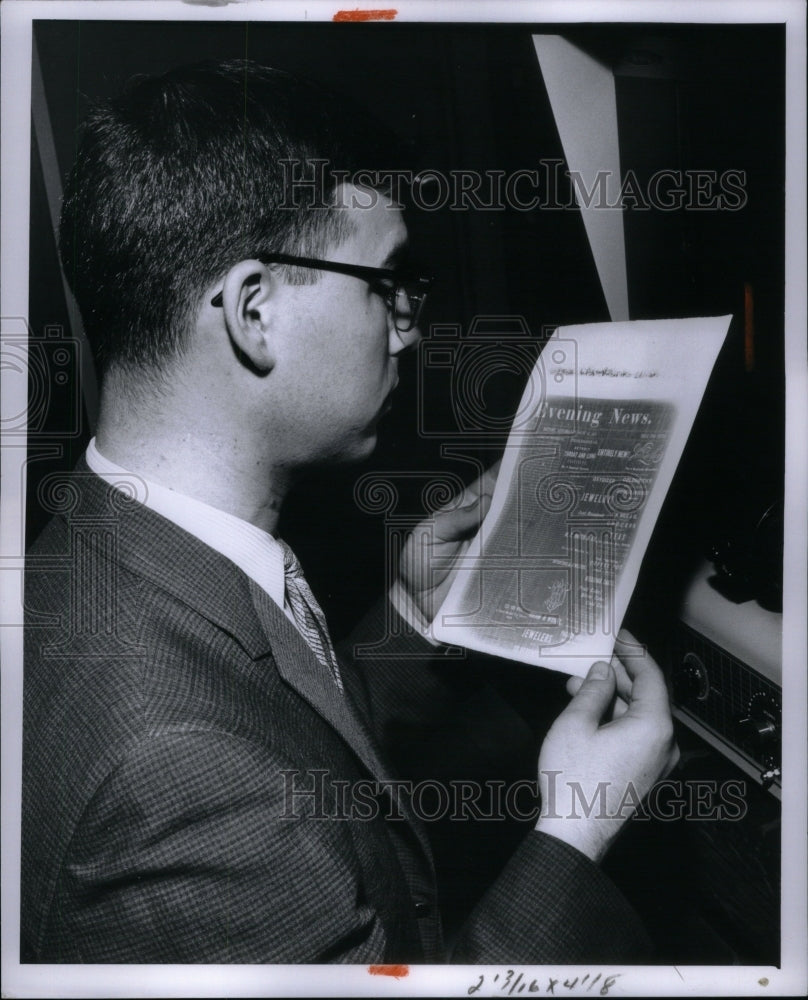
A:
186	174
184	193
328	351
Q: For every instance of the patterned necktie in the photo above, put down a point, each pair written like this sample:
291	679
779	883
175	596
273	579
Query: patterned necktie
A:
307	613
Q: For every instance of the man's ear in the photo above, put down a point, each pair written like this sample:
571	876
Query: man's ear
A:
248	302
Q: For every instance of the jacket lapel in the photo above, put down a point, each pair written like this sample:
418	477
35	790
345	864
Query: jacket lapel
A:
312	680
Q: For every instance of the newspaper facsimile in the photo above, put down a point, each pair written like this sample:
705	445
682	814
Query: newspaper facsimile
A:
591	454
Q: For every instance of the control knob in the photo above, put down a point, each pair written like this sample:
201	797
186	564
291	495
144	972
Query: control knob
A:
759	728
691	683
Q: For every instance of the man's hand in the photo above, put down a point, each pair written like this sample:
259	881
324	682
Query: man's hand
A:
607	748
428	558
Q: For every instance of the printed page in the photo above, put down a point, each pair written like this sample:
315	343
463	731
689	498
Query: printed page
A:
598	434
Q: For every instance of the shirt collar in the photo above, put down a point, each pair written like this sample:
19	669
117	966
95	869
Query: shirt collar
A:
254	551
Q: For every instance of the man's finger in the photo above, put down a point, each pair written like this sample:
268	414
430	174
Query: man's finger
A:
486	482
593	697
626	645
573	685
483	484
624	682
620	707
462	522
649	693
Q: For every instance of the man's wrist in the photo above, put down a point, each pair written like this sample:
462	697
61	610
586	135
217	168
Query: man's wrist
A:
591	837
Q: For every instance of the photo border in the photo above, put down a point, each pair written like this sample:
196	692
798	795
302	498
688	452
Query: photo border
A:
297	980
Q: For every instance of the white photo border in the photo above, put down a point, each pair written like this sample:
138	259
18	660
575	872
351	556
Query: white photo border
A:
223	981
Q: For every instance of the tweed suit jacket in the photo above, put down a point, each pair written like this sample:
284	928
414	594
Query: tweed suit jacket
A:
183	749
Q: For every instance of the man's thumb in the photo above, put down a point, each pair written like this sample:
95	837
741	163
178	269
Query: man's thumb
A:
596	692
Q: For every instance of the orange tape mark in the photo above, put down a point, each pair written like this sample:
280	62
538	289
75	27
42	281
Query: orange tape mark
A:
365	15
396	971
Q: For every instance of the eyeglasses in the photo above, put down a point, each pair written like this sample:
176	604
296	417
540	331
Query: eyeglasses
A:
402	289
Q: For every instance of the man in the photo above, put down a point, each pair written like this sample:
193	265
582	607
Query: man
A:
178	672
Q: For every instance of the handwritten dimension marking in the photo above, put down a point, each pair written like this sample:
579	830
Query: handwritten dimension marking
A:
513	983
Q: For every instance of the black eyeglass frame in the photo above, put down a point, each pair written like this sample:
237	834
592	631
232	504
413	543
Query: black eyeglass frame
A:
400	278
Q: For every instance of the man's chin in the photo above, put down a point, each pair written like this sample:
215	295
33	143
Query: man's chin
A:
359	449
366	447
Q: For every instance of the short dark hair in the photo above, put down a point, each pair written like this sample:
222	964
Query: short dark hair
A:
184	175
